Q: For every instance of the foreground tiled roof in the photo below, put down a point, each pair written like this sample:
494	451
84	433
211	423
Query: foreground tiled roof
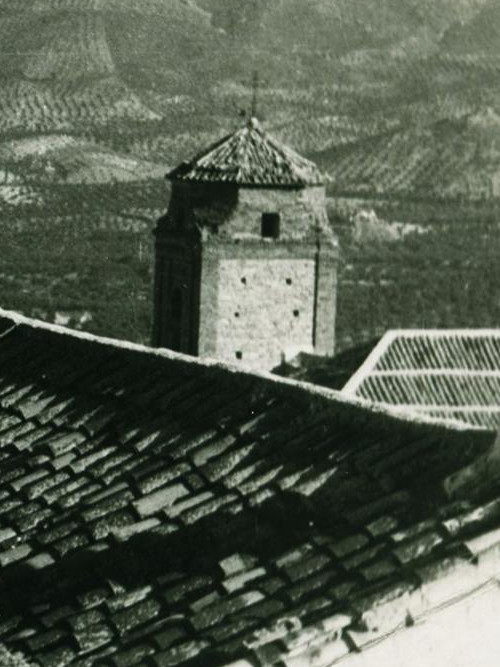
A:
162	511
450	373
250	157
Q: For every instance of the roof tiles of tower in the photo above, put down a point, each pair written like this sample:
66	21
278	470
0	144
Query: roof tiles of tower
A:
249	157
450	373
158	510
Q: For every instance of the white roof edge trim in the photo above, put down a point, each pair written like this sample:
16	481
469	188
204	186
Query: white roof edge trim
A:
335	396
435	333
436	407
435	412
366	368
435	372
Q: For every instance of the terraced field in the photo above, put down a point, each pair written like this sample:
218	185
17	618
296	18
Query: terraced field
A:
451	158
83	254
444	273
396	99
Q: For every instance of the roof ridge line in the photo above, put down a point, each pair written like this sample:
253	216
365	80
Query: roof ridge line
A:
314	391
434	333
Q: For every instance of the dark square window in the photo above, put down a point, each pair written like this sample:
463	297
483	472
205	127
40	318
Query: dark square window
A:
239	354
270	226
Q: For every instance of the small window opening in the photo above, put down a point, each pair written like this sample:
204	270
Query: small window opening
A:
270	226
288	281
239	354
236	314
296	313
244	281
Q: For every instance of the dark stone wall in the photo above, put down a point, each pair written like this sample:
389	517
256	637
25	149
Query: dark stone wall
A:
177	292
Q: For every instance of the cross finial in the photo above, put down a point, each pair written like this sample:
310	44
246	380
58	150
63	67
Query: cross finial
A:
255	93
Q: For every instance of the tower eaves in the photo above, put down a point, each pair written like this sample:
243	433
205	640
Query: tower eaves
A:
249	157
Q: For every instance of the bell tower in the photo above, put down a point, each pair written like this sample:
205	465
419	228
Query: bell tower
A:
246	262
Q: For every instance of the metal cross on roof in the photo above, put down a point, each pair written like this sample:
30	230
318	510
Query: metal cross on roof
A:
255	93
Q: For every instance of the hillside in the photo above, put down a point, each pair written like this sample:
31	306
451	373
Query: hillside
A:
98	98
447	159
136	76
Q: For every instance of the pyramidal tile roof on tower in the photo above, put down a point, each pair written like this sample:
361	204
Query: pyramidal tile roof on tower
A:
449	373
164	511
249	157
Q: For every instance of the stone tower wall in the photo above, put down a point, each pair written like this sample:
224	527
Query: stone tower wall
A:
237	212
251	300
257	302
326	300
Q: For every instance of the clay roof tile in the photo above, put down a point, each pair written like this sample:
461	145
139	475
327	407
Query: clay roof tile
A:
249	157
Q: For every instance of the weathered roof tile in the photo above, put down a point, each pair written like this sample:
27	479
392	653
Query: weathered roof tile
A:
216	612
14	554
217	446
93	637
170	635
84	620
82	490
45	483
158	500
55	615
118	498
382	526
225	511
417	547
132	656
7	534
60	656
126	600
238	581
111	523
249	157
70	543
348	545
189	586
305	587
44	639
380	569
194	514
136	615
62	443
307	566
179	654
237	563
161	476
19	482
